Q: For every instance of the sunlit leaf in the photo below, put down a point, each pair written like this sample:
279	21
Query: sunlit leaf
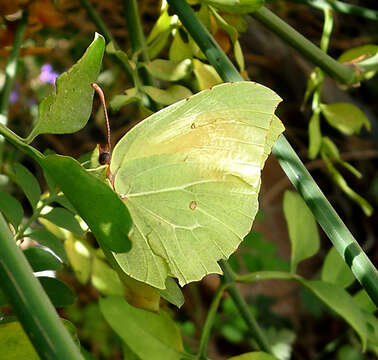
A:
206	75
167	96
63	218
79	255
68	110
169	70
256	355
172	293
179	50
14	343
105	279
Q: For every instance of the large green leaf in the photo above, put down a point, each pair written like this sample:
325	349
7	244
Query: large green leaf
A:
190	176
94	201
148	335
303	231
342	303
14	344
68	110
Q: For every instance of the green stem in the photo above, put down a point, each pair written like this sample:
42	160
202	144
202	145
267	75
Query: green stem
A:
98	22
341	7
243	308
210	319
297	173
37	315
10	74
104	31
342	73
36	213
138	44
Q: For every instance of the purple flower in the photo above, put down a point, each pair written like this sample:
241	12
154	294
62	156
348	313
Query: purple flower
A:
48	75
14	96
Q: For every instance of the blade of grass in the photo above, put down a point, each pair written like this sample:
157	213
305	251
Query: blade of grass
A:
327	217
37	315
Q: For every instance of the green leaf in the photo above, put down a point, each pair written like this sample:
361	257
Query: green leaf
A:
335	270
105	279
169	70
167	96
239	57
41	260
3	299
80	257
162	25
363	300
59	293
63	218
11	208
236	6
357	52
206	75
303	231
345	117
340	181
68	110
14	343
139	327
95	202
315	136
342	303
158	44
171	171
280	341
119	101
28	183
312	83
179	49
256	355
172	293
48	239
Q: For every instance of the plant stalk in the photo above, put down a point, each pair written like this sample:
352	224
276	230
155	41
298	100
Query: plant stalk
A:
342	239
242	306
341	7
343	73
210	319
138	44
34	310
10	74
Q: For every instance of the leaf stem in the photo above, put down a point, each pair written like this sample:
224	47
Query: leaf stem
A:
338	233
242	306
37	315
341	7
306	48
138	42
210	319
10	74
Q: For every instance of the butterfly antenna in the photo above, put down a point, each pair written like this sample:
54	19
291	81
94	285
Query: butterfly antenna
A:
101	95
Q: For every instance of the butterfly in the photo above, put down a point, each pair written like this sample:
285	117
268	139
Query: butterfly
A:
190	177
